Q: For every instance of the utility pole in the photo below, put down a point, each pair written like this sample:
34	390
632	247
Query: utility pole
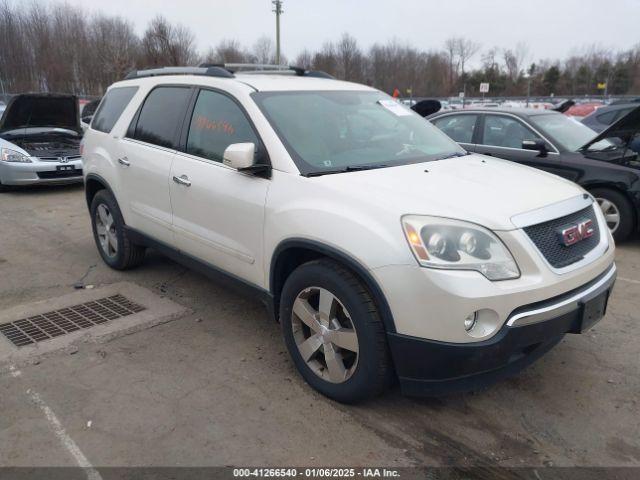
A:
277	4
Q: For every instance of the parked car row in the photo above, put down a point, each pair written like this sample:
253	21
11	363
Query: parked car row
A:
604	164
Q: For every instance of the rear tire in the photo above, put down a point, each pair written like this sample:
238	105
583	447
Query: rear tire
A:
615	204
359	369
115	247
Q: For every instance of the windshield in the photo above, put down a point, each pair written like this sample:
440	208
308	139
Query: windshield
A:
329	131
570	133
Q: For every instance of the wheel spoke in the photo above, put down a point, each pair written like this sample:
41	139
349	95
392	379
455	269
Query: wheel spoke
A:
333	358
612	218
103	213
344	338
310	346
306	314
326	305
113	241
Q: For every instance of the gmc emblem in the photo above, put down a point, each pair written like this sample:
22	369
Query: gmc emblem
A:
572	234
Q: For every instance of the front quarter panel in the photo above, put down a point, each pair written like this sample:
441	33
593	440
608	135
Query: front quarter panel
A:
302	208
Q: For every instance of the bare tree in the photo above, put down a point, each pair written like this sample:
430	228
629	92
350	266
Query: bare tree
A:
466	49
515	59
349	59
228	51
264	51
164	44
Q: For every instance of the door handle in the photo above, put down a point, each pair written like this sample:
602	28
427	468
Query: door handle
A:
182	180
124	161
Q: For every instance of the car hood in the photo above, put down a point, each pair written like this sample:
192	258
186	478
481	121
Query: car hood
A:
473	188
38	110
625	128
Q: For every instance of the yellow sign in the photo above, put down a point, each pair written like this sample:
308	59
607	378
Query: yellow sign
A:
602	86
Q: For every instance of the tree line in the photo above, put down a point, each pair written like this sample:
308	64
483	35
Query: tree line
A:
61	49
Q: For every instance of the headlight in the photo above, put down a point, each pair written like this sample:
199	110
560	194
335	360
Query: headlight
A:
7	155
456	245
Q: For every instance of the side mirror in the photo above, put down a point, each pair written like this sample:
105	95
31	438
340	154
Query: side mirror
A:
241	156
538	145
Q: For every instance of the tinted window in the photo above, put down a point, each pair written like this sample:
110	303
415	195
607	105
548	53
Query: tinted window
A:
112	106
217	122
458	127
622	113
161	116
503	131
607	117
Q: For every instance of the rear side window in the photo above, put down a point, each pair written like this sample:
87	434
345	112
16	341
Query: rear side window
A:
111	107
161	116
458	127
607	118
217	122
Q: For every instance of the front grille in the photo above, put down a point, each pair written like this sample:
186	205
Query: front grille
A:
546	236
60	174
27	331
57	159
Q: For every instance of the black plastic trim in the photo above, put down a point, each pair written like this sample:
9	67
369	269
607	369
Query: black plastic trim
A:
381	302
214	273
98	178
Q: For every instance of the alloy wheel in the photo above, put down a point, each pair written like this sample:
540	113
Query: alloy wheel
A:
610	212
106	230
325	334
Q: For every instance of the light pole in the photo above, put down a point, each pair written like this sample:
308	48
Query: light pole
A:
527	75
277	5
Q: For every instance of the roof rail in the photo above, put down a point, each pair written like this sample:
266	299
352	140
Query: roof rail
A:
227	70
257	68
208	70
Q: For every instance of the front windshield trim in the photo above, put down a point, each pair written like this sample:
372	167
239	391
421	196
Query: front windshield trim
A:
308	169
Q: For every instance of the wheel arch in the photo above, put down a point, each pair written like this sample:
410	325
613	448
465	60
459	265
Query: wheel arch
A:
292	253
622	191
93	183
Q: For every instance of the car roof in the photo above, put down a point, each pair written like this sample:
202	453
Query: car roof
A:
617	106
522	112
253	81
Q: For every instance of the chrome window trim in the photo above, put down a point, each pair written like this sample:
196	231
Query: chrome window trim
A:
563	306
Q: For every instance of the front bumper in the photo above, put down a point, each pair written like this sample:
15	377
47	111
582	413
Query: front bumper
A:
428	367
39	172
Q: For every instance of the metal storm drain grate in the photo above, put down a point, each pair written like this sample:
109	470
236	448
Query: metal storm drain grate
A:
27	331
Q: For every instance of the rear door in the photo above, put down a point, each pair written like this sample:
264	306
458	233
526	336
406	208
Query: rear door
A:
461	127
218	212
146	156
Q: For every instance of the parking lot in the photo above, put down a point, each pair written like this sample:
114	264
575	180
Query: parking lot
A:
213	384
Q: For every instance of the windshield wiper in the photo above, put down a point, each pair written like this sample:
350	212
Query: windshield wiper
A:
350	168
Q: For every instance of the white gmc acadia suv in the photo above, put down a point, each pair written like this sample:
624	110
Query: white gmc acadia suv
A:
382	247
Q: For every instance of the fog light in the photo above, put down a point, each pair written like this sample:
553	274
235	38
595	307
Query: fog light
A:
470	321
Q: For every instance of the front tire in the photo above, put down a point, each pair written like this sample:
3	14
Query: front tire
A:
618	212
334	333
115	247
